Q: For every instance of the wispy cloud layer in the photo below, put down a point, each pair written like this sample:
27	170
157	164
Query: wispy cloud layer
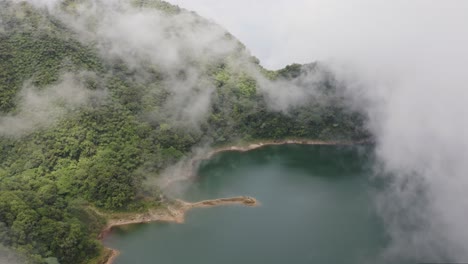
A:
38	108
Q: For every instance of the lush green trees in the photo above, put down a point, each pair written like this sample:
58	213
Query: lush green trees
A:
101	153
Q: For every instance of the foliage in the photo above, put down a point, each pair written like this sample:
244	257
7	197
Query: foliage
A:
101	154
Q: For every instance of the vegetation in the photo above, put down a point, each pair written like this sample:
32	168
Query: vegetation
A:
101	153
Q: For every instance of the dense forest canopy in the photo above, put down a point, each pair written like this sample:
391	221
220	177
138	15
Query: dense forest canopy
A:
97	98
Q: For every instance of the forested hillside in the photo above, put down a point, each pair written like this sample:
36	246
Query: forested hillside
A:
86	122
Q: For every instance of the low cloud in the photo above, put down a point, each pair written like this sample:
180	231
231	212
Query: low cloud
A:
180	46
404	65
42	107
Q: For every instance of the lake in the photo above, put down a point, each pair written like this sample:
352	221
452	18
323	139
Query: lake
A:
316	207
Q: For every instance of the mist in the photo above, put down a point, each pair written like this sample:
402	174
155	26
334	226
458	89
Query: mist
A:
404	65
7	256
179	46
40	108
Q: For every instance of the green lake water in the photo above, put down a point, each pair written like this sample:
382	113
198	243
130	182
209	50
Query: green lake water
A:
316	207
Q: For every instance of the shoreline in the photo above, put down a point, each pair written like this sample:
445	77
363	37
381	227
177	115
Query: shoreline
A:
265	143
174	214
194	162
113	255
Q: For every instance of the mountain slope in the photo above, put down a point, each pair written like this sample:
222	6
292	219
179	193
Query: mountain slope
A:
98	98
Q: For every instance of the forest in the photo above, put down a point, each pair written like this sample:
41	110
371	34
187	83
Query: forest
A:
72	154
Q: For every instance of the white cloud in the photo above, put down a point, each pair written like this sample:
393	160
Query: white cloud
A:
408	59
38	108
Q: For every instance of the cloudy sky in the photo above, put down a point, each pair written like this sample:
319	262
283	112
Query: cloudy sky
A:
280	32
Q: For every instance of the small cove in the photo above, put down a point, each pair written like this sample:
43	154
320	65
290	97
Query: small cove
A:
316	207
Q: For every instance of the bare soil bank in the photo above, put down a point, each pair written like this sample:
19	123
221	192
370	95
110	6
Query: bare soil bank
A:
173	213
191	168
176	212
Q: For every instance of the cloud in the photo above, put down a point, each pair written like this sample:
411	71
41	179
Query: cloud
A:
39	108
404	65
9	256
179	46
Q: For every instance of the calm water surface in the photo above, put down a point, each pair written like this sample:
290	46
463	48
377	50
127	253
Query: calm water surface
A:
316	207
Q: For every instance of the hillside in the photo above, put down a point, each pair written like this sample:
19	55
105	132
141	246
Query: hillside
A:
97	99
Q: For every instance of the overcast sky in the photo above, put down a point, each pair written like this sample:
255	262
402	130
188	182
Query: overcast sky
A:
280	32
